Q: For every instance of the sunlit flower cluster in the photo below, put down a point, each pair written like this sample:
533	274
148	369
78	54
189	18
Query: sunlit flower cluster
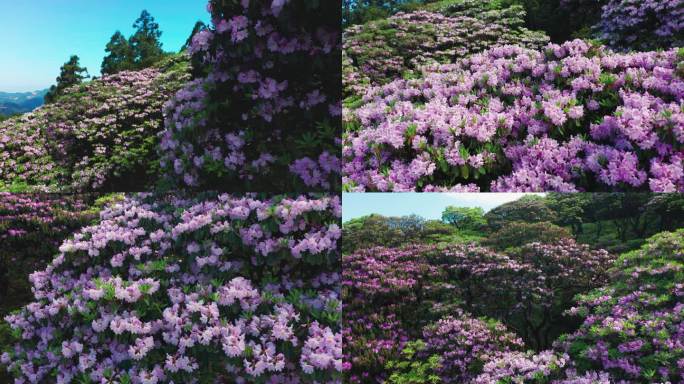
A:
166	289
568	118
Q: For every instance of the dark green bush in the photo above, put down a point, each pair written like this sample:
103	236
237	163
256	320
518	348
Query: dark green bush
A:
520	233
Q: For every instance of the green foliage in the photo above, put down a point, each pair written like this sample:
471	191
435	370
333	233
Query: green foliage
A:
369	231
570	209
145	45
517	234
5	117
380	231
529	209
438	232
120	57
142	50
71	74
644	298
560	22
464	217
410	370
363	11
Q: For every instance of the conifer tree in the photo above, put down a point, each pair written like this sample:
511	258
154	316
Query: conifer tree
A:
71	73
120	56
145	44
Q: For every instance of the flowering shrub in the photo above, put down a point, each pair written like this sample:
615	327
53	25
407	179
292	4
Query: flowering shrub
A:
392	296
521	367
465	344
264	111
572	117
396	284
31	229
381	51
455	347
407	288
168	289
634	328
98	136
24	159
554	274
649	24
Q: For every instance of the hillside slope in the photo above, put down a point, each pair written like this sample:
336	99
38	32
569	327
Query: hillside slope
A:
98	135
380	51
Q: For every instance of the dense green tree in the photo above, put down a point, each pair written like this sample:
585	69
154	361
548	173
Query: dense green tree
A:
562	20
199	26
145	45
669	210
436	231
518	234
362	11
120	55
626	212
529	208
71	73
464	217
369	231
570	209
593	213
409	225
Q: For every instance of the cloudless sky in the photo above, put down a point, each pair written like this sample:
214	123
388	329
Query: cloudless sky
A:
38	36
427	205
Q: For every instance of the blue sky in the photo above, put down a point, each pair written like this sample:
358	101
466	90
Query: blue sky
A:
40	35
427	205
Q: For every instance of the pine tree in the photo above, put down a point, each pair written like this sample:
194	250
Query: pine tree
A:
120	56
199	26
71	73
145	44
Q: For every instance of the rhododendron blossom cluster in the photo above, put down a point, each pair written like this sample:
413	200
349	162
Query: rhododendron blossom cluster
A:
568	118
643	24
633	329
264	112
31	229
463	343
97	136
433	293
21	214
168	289
633	24
381	51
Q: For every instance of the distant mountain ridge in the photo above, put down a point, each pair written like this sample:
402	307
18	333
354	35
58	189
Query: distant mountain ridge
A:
21	102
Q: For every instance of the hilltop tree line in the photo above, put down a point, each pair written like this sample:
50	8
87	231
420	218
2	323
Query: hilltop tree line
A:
141	50
617	222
